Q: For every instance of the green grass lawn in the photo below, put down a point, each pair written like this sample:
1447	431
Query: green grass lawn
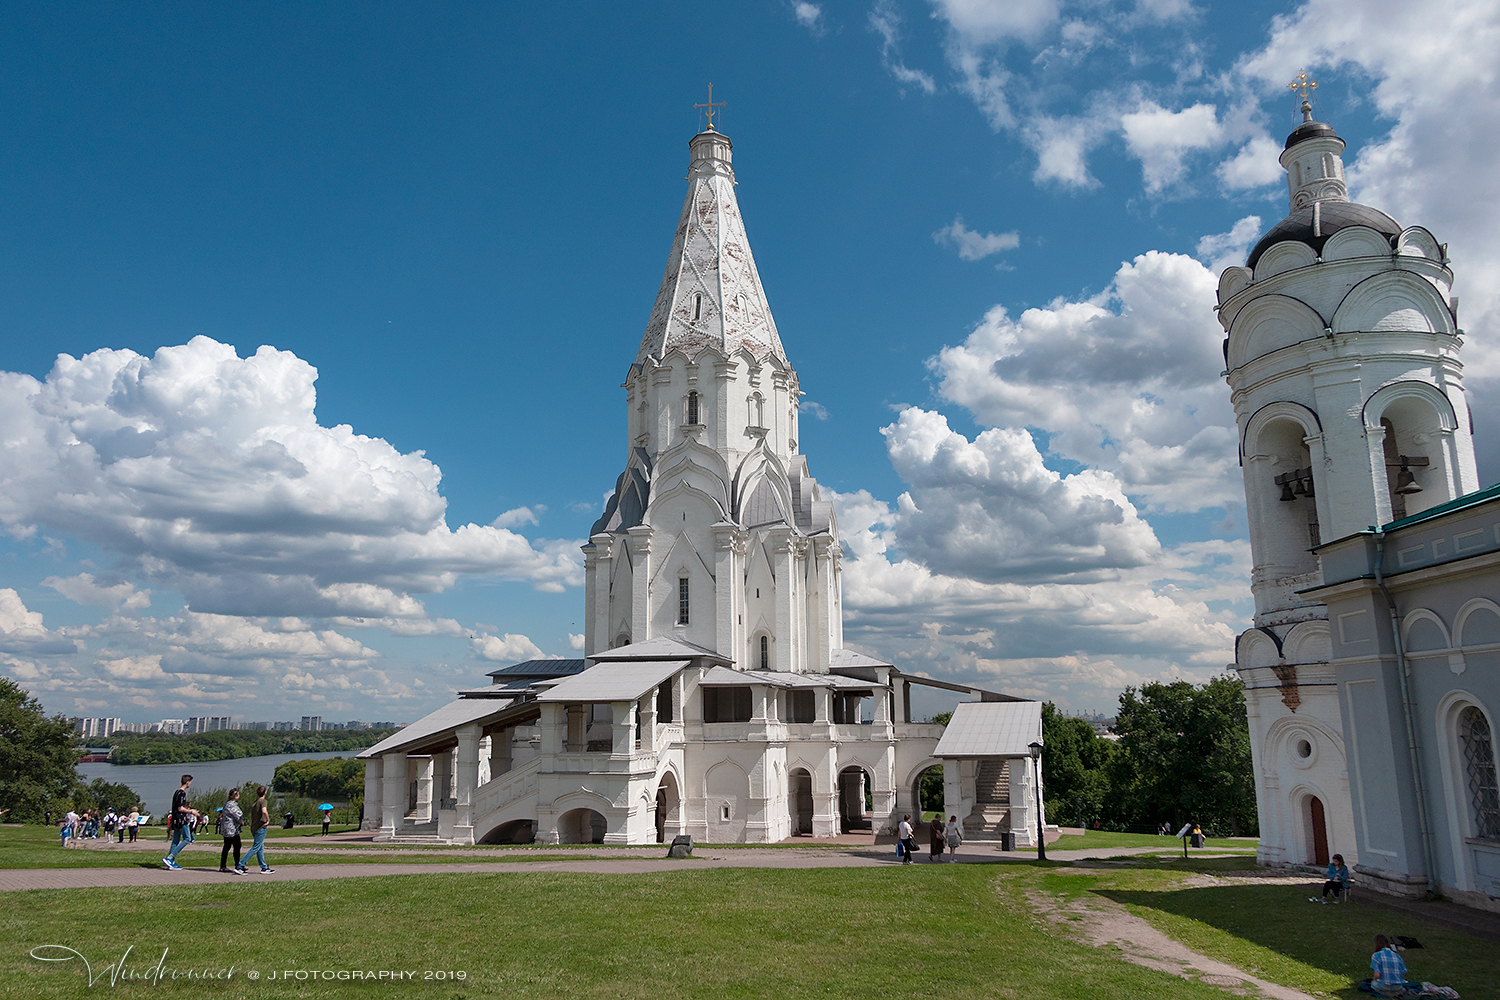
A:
956	931
1273	931
1105	839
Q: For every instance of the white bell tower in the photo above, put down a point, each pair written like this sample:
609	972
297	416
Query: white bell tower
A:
1342	357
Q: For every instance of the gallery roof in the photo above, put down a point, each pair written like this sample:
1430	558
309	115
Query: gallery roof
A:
991	729
613	681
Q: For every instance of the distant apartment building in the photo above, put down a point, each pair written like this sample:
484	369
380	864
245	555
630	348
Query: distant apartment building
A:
311	723
283	726
205	724
95	727
175	726
252	725
136	727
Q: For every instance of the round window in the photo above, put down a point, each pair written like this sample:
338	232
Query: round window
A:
1304	749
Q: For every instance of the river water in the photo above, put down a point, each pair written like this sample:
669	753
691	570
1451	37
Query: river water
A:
155	783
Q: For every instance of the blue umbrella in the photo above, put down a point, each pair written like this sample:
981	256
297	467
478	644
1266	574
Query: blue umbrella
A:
326	806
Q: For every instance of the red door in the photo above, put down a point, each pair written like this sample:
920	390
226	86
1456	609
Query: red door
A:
1320	831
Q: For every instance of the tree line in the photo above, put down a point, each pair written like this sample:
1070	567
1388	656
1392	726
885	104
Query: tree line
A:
1183	755
232	744
338	778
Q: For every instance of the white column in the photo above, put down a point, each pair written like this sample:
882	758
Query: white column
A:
781	565
393	802
500	751
601	575
640	582
553	729
622	728
374	770
467	775
425	809
442	781
646	707
729	548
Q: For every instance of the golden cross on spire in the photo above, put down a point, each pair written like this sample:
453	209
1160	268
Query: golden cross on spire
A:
1302	85
711	105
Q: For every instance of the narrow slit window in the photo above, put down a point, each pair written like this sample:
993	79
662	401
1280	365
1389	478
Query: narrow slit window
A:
682	601
692	408
697	307
765	653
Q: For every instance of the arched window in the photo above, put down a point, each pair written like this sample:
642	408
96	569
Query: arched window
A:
692	408
682	601
1479	768
765	653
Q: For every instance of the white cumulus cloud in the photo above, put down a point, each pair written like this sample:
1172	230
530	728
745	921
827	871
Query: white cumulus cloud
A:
973	245
1125	382
507	648
114	594
210	474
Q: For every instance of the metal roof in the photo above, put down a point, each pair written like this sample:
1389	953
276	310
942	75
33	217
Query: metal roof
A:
659	648
991	729
613	681
434	728
1331	216
541	668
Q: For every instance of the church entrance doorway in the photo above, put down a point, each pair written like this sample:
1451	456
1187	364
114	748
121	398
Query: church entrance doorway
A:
854	800
1319	826
581	826
668	799
799	798
927	793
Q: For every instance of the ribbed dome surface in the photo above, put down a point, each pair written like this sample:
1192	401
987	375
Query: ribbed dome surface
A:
1332	216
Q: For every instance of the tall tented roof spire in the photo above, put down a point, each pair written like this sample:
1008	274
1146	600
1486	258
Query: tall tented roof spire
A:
711	294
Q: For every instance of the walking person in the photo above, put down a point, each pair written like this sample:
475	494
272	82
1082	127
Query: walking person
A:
230	822
260	821
134	822
180	822
69	826
954	836
935	838
908	840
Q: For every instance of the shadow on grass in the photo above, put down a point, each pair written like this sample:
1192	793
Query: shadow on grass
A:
1337	940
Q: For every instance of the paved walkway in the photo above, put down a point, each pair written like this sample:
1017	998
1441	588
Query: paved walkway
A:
596	860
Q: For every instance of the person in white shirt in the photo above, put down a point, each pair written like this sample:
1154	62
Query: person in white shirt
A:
908	840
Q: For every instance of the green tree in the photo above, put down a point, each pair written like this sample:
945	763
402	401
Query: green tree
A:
1184	756
37	757
1076	770
101	795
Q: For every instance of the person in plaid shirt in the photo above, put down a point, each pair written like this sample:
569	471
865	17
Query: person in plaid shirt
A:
1389	969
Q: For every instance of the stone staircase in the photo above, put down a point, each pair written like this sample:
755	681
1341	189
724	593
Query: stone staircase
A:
417	833
991	814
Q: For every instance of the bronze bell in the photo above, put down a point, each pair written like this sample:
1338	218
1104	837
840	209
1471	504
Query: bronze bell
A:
1406	481
1286	492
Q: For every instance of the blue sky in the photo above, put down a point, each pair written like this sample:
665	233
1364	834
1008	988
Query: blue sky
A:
988	233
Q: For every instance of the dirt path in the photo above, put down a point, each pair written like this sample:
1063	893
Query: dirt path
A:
1101	922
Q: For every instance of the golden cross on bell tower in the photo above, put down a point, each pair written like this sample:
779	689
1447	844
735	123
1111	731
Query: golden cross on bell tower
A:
711	105
1302	85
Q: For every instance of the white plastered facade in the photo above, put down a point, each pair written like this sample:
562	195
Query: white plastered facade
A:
1342	357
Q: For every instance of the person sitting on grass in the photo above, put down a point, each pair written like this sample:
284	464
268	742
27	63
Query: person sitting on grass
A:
1389	969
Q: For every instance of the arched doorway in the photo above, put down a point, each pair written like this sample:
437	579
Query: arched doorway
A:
854	794
581	826
668	800
927	791
1317	829
799	797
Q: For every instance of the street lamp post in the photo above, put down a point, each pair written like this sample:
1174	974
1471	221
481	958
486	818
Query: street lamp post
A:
1036	777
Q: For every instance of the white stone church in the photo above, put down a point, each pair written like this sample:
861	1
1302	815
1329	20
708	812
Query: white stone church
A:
1373	671
716	697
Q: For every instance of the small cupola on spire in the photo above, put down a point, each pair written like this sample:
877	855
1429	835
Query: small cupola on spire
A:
1313	157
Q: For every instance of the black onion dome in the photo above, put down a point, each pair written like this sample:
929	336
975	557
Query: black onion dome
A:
1309	130
1332	216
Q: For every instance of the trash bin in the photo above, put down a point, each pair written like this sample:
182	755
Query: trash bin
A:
1007	840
